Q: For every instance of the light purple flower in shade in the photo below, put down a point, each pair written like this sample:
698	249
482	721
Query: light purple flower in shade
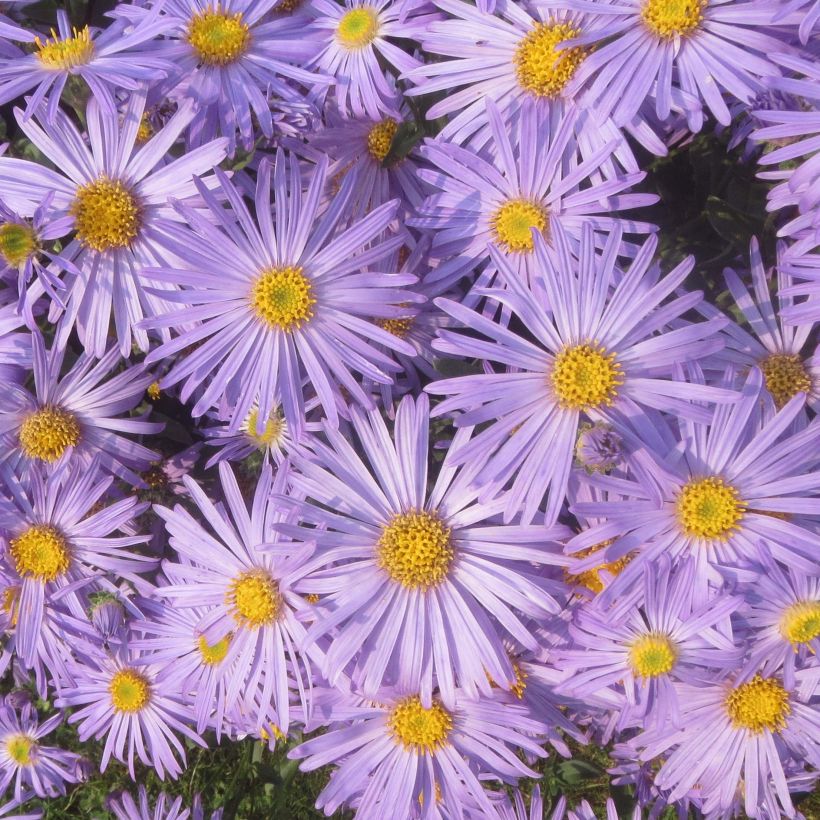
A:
136	706
748	734
724	487
242	574
77	416
600	350
118	200
417	587
288	298
690	55
396	756
54	542
27	762
648	642
533	184
119	57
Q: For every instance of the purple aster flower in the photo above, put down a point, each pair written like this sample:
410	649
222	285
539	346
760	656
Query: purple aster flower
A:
78	416
398	757
416	585
243	575
599	448
27	762
588	355
117	57
136	706
801	261
124	807
118	201
282	300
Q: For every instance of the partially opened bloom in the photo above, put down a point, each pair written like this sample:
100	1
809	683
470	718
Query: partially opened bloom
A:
596	346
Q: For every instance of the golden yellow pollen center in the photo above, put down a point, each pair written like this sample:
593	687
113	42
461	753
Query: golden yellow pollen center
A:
40	552
541	66
785	376
255	598
48	432
214	653
760	704
358	28
154	391
283	298
272	433
380	138
585	376
218	38
145	130
106	215
129	690
21	749
513	223
418	729
592	578
58	54
801	622
17	243
415	550
673	18
652	655
398	327
709	508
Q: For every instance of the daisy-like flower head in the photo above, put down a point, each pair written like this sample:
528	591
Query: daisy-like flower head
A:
53	541
77	416
601	349
283	300
135	705
27	762
746	734
118	57
399	567
242	575
399	757
498	200
124	807
116	199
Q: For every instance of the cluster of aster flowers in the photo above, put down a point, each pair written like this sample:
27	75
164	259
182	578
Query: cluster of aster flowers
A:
349	403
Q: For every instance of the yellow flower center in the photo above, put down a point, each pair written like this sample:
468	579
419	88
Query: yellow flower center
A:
20	748
287	6
106	215
541	67
709	508
145	130
585	376
358	28
283	298
274	430
17	243
673	18
40	552
48	432
11	597
652	655
591	578
414	549
513	223
218	38
760	704
801	622
398	327
785	376
129	690
419	729
380	138
60	54
154	391
255	598
214	653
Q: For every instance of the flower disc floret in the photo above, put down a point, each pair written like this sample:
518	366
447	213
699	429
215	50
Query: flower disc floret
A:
214	653
513	223
415	550
106	214
380	138
418	729
760	704
62	55
218	38
358	28
40	552
785	376
255	599
585	376
48	432
709	508
541	66
22	749
673	18
272	433
130	691
283	298
17	243
800	623
652	655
